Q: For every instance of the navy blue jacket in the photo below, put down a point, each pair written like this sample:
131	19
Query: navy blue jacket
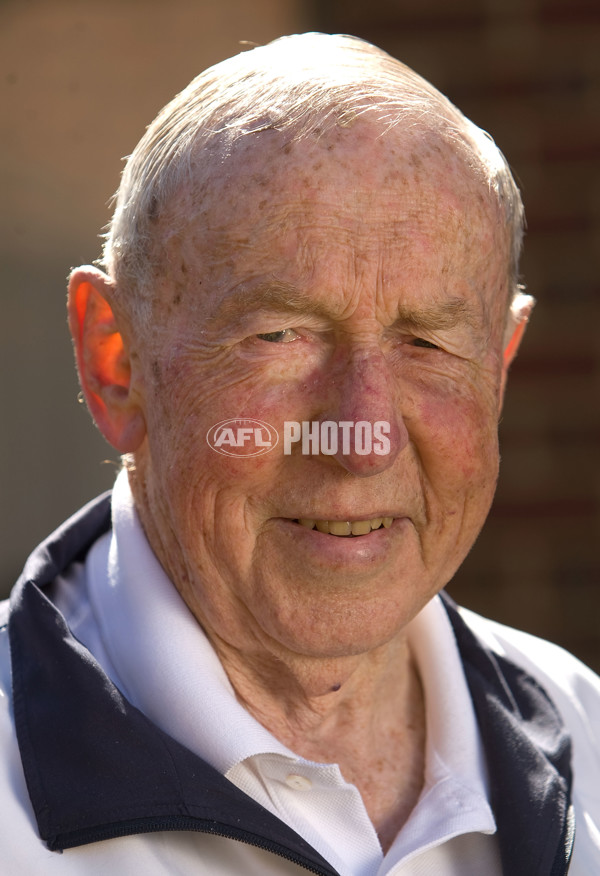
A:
97	768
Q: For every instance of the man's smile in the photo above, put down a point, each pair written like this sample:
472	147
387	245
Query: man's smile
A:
346	527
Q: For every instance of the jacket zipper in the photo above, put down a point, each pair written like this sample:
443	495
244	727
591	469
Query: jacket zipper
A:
153	825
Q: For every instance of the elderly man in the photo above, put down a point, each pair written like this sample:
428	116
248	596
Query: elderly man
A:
239	663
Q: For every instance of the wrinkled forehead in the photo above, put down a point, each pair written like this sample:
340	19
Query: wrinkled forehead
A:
274	205
393	165
313	212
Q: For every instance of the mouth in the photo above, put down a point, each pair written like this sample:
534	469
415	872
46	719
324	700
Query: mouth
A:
346	528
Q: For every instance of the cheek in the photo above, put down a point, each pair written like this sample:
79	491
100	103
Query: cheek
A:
184	414
460	435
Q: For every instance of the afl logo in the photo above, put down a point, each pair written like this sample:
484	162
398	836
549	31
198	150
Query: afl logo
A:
242	436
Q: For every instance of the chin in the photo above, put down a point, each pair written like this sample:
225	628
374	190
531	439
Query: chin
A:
346	629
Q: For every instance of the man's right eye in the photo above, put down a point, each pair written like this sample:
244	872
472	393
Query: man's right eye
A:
285	336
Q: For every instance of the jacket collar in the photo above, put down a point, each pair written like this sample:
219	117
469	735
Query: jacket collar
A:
528	755
96	767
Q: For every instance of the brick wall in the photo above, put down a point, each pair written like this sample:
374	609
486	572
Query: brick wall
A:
528	71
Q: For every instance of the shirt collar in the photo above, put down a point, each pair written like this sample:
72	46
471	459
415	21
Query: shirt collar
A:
455	796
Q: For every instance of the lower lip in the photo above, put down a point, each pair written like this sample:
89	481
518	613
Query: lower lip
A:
345	551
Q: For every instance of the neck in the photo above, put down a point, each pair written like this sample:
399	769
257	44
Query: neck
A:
365	713
290	692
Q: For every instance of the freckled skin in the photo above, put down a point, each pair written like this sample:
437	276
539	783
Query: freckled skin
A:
380	264
358	224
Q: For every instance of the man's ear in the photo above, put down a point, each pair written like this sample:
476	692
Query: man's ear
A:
518	317
102	360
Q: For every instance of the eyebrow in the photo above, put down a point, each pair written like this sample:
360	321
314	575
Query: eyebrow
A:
284	298
276	296
439	316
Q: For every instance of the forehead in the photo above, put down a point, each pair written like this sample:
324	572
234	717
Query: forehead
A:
351	196
359	163
359	157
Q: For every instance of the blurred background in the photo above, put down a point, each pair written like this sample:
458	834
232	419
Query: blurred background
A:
80	81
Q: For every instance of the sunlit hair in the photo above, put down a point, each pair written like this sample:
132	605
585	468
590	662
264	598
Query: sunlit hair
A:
302	85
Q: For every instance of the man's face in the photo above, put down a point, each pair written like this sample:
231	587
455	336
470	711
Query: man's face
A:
351	277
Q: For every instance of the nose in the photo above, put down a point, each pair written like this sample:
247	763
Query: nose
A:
365	404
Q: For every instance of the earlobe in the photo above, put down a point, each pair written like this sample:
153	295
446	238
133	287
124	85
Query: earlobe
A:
102	360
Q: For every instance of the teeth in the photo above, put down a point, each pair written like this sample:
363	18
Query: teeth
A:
340	527
305	521
344	527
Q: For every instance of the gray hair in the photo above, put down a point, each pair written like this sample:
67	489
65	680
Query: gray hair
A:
303	84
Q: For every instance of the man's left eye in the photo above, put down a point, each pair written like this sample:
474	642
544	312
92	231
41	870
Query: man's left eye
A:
281	337
421	342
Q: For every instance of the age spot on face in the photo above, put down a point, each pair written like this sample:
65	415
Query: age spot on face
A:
156	372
